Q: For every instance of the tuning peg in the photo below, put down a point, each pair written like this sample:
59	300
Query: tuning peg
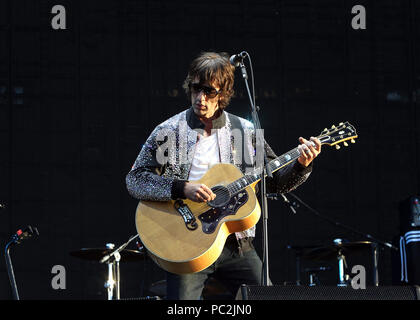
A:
325	130
345	144
337	146
333	127
352	141
340	124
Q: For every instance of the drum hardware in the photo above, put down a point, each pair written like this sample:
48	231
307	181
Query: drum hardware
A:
313	275
97	254
342	266
112	258
375	242
339	250
113	274
299	252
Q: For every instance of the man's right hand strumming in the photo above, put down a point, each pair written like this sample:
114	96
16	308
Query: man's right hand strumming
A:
198	192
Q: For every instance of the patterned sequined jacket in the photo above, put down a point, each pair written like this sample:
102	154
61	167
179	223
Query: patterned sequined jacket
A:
163	164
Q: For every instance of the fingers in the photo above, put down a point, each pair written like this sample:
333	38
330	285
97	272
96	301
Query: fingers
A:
317	144
309	150
306	149
202	193
210	194
311	147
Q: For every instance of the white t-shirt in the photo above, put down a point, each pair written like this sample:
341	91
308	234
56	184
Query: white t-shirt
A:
206	154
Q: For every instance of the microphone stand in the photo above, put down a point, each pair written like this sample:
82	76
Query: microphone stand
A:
16	239
265	170
10	271
374	240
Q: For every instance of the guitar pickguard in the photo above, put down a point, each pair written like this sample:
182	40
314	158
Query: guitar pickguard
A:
211	218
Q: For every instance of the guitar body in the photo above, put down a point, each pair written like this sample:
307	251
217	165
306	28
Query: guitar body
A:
181	246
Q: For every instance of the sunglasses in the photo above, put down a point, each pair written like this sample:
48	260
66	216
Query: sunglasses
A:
210	92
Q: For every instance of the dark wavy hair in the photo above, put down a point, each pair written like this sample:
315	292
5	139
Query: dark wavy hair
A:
210	67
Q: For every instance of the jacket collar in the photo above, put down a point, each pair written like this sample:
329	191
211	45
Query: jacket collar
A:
195	123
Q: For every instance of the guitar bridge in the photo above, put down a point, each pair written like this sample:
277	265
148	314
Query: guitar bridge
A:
212	217
186	214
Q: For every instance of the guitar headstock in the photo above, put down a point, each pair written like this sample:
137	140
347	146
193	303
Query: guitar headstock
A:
342	133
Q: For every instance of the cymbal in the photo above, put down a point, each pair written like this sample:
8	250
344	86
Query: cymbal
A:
331	252
96	254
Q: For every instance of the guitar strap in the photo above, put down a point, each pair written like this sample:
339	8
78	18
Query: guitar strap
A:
236	124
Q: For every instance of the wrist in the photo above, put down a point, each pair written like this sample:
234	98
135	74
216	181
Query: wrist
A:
178	189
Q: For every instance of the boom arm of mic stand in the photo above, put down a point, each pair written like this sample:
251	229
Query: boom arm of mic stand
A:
339	224
275	196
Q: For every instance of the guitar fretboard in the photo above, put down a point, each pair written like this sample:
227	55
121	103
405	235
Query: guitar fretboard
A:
256	175
337	134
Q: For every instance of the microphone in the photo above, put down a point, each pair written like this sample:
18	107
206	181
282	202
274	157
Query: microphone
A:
23	234
237	59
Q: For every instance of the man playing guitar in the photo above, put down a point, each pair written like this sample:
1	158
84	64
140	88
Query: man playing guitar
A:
194	140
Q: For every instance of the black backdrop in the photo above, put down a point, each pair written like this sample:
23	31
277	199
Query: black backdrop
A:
77	104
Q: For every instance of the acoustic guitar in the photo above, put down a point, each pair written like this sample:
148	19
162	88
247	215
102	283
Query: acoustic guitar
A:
183	236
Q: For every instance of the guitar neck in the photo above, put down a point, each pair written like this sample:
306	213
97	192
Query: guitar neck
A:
256	175
274	165
342	133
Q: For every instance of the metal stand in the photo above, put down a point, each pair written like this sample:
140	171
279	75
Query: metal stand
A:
313	279
16	239
375	254
342	282
375	242
113	262
313	275
266	171
10	272
113	281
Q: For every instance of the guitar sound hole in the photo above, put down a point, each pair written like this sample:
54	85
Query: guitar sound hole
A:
222	197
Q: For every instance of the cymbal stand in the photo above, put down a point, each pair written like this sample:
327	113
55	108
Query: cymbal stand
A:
375	255
342	265
313	275
313	280
114	268
113	281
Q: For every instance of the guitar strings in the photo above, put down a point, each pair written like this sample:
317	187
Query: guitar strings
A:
257	175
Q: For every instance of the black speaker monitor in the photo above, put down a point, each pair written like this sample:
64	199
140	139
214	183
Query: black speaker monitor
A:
246	292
